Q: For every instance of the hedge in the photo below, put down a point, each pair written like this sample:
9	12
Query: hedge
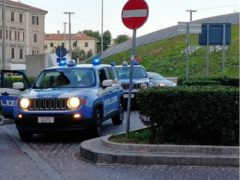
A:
206	115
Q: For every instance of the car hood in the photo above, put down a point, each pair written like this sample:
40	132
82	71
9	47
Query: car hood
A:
135	81
58	92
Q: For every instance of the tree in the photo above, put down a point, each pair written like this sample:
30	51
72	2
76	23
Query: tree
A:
121	38
107	37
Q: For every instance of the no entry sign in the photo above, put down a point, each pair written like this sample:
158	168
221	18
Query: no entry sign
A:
134	13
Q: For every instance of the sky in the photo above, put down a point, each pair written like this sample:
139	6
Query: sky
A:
162	14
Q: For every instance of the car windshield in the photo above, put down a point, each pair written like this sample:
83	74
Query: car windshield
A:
123	72
67	78
155	76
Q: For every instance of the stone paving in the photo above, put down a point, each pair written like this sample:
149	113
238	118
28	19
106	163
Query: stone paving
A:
58	157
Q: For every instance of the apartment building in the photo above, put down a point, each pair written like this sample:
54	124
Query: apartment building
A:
24	31
78	41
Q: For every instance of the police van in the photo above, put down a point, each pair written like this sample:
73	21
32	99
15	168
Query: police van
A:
140	79
70	98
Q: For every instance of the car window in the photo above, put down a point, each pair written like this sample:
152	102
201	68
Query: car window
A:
68	78
124	72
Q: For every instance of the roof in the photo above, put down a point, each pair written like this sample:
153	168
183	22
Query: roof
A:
169	32
80	66
22	6
59	37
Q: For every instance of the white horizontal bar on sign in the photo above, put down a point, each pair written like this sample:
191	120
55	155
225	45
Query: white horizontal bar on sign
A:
134	13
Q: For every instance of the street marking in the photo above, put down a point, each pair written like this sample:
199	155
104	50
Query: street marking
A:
43	165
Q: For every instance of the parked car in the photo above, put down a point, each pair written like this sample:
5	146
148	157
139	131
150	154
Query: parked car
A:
70	98
156	80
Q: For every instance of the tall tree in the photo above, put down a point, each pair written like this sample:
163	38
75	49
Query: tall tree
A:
107	37
121	38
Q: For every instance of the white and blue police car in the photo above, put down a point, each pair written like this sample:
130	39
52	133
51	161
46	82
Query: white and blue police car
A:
70	98
140	78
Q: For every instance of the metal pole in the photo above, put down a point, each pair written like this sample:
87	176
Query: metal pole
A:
69	23
4	36
102	29
130	81
223	50
208	51
191	11
187	53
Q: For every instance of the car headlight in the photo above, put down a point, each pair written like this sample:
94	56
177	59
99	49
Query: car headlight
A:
162	85
24	103
144	86
73	102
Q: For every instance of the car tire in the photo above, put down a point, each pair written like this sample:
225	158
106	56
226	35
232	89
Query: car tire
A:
26	136
118	118
96	130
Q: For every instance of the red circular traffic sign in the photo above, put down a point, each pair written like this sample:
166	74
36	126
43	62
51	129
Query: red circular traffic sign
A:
134	13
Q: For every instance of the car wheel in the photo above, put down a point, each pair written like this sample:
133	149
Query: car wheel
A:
26	136
97	117
118	118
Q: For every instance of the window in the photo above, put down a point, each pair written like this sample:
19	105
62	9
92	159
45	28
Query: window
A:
20	36
45	46
1	36
102	76
110	73
35	20
86	44
12	53
15	36
10	35
21	53
35	38
12	16
51	44
63	44
6	34
20	18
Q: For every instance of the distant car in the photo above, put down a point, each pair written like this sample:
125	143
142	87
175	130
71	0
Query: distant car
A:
156	80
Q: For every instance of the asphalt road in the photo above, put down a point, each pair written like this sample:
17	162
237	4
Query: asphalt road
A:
58	157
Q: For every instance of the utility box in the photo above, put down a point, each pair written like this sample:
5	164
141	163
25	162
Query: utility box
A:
36	63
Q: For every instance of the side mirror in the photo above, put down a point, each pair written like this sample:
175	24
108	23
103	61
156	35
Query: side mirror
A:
18	86
107	83
150	76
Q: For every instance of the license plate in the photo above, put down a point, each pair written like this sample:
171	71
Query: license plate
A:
45	119
126	96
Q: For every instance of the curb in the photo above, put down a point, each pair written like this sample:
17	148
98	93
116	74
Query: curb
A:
102	150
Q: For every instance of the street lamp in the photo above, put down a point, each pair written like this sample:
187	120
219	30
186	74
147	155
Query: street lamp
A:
191	11
102	30
69	23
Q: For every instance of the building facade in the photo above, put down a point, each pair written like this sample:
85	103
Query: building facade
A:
80	42
24	31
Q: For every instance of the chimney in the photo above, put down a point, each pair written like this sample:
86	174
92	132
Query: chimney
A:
58	32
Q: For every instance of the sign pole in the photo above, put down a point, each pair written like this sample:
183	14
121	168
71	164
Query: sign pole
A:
187	54
208	51
130	81
223	49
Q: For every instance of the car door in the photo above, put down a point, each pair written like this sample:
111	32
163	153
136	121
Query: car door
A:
109	97
9	95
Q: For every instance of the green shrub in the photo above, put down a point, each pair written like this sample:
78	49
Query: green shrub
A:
191	114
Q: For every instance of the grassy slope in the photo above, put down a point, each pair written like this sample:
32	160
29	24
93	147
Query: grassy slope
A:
165	57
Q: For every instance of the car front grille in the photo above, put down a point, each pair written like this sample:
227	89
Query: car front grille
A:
48	104
135	86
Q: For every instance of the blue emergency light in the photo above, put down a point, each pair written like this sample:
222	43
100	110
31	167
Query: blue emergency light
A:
96	61
62	61
72	63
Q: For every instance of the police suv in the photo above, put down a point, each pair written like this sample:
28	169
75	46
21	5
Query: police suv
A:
140	78
70	98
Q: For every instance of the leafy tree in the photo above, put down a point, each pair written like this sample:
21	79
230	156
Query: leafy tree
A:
121	38
107	37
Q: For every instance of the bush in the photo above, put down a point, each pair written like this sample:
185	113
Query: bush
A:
191	114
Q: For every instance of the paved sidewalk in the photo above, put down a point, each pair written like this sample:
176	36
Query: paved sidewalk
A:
102	150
